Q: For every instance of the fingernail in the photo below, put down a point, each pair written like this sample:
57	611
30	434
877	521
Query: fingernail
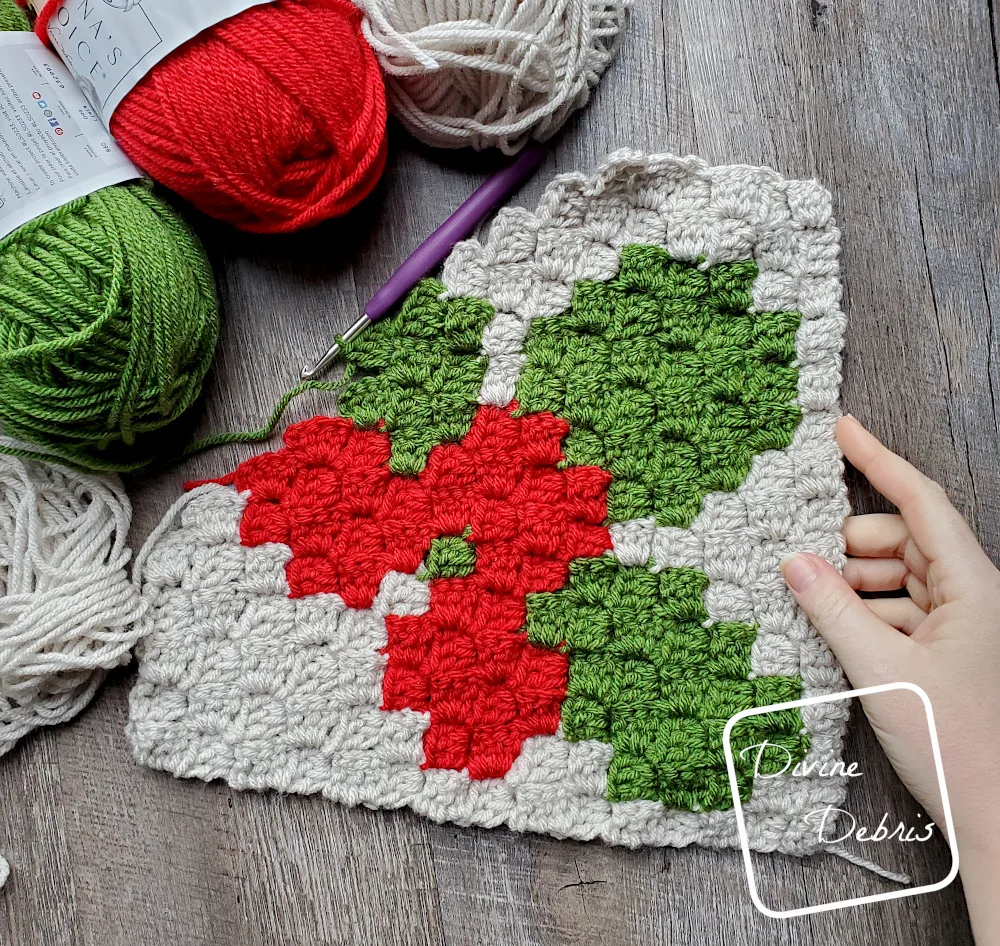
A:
799	572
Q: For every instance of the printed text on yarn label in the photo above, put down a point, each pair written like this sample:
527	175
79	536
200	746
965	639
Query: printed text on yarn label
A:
109	45
53	147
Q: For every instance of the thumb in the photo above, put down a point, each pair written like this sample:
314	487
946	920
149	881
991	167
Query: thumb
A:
870	651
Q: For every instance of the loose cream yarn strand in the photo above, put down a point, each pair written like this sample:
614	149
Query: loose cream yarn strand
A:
491	73
68	610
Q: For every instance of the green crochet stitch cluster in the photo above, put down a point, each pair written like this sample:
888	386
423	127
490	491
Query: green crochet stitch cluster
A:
451	556
667	379
418	374
649	677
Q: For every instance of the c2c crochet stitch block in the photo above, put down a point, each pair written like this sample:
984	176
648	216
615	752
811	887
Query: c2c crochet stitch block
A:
531	570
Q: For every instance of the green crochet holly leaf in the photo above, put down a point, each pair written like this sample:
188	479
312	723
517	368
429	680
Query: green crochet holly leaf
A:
667	379
418	373
651	676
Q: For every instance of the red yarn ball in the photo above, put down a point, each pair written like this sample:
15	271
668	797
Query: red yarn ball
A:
272	120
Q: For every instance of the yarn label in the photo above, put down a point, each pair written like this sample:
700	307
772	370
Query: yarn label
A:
53	145
109	45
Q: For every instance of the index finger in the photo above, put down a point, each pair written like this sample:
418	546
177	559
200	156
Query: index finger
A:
936	526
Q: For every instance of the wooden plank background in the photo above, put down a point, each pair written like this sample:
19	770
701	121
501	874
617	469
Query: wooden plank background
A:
896	108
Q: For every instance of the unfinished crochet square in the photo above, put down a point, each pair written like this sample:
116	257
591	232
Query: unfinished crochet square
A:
531	570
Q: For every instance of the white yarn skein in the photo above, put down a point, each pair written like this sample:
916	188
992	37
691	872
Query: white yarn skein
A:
491	73
68	610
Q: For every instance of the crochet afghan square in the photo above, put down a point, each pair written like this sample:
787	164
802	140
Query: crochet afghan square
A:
531	570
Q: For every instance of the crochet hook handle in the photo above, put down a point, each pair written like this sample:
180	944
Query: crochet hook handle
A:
435	249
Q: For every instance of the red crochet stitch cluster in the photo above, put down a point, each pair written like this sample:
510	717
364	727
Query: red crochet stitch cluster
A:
330	496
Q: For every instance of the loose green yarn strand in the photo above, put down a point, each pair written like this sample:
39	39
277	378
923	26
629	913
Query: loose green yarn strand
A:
265	432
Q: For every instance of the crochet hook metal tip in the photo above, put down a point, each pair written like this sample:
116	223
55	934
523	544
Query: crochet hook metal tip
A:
307	373
435	249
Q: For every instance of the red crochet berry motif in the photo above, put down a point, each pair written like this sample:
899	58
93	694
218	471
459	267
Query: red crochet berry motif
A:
330	496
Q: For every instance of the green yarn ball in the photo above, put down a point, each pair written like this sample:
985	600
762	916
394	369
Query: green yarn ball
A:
108	323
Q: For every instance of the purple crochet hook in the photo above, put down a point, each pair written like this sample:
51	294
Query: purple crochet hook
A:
435	249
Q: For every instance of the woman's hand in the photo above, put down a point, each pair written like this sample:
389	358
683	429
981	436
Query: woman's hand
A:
943	635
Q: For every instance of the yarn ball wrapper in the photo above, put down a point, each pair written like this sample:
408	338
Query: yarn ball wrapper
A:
532	569
489	73
108	322
272	120
68	609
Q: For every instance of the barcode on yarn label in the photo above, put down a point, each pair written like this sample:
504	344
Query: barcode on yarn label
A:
109	45
53	145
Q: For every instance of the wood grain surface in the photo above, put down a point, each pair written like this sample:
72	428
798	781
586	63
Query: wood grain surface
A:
896	108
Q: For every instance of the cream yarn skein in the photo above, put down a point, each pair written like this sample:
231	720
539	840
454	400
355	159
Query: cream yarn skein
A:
68	610
491	73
